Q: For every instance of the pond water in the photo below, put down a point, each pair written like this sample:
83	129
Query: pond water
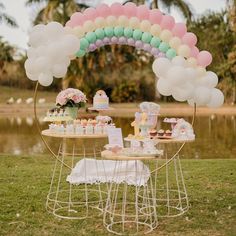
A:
216	136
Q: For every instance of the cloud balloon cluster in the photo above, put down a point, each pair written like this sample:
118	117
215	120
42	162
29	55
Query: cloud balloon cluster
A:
51	47
187	83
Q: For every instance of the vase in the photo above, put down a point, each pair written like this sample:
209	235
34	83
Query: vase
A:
72	111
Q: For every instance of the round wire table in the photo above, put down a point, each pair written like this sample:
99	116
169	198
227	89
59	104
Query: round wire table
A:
70	200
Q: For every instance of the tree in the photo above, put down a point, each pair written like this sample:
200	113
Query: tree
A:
57	10
5	18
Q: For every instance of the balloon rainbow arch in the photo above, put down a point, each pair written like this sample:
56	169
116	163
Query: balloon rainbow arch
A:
179	65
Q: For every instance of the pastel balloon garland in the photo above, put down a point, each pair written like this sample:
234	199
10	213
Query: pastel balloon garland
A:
179	64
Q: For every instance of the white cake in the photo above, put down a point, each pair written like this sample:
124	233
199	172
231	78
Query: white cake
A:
100	100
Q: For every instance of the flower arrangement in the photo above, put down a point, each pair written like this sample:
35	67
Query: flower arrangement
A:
71	98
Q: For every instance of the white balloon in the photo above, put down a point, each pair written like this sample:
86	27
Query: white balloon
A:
202	95
183	92
210	80
42	64
160	66
54	51
33	77
176	75
59	71
191	74
37	39
54	30
70	44
179	61
30	67
64	60
45	79
164	87
32	53
217	98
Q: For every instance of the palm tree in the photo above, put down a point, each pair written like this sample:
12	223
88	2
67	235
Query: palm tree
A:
5	18
58	10
182	6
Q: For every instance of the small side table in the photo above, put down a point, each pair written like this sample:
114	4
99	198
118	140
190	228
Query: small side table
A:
130	209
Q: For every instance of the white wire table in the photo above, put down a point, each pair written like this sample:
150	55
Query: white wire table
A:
130	206
135	209
71	201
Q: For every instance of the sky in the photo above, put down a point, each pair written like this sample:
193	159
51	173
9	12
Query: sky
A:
25	15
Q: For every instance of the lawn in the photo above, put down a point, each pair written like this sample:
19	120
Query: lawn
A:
24	182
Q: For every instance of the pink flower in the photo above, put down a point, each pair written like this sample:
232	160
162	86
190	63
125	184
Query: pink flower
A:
70	94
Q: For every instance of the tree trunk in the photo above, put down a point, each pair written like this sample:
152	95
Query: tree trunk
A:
155	4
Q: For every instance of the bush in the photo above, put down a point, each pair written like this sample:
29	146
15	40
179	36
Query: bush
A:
125	91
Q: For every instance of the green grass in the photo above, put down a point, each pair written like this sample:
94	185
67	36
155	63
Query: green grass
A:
24	183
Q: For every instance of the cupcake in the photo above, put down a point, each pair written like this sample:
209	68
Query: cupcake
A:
161	132
168	133
84	122
153	133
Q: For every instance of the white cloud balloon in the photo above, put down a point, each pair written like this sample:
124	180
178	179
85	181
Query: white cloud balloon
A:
185	82
51	47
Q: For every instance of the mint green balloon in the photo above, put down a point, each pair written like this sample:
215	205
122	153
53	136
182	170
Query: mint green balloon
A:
137	34
146	37
163	47
80	53
91	37
84	43
100	33
128	32
109	31
171	53
118	31
155	42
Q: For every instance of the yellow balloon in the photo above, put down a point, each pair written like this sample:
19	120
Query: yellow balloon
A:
145	26
89	26
201	71
111	21
183	50
134	23
100	22
175	42
79	31
123	21
155	30
165	35
192	62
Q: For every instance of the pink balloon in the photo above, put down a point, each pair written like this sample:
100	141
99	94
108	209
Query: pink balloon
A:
77	19
155	16
142	12
90	13
103	10
167	22
190	39
194	51
179	30
69	23
117	9
204	58
130	9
